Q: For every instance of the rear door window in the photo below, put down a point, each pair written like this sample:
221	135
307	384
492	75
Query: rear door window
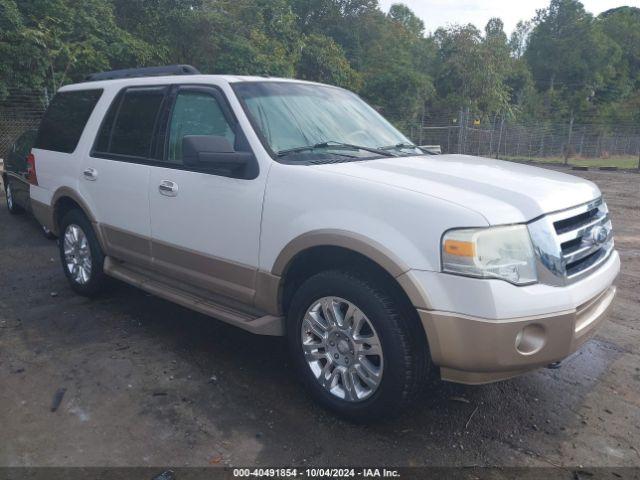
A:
65	120
129	125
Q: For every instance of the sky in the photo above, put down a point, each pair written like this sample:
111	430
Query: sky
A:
438	13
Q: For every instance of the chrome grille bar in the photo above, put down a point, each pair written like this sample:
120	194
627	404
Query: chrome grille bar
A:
571	244
587	268
581	253
580	232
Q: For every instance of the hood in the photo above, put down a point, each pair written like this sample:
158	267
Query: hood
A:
503	192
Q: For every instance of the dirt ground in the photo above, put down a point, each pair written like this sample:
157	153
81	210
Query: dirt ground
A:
149	383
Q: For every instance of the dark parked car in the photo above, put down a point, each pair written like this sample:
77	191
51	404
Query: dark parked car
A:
16	175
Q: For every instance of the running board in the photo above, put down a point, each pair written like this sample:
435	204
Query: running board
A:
259	325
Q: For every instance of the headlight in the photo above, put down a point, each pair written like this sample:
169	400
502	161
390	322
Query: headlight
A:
505	253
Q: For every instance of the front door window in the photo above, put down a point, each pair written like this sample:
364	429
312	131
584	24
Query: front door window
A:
196	113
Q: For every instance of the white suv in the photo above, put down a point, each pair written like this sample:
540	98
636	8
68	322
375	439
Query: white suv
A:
292	208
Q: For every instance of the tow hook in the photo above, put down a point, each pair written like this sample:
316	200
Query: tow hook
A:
554	365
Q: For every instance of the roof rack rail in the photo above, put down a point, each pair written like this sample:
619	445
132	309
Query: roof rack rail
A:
143	72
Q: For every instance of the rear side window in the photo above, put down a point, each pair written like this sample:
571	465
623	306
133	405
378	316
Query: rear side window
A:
65	119
129	125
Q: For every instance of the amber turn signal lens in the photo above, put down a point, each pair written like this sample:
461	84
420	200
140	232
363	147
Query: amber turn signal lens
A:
460	249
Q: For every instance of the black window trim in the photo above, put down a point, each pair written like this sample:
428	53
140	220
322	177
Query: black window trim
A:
160	138
117	103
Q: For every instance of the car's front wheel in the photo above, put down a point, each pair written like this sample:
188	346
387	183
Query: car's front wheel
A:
81	255
359	352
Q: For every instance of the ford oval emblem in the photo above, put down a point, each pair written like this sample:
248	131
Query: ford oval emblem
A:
598	235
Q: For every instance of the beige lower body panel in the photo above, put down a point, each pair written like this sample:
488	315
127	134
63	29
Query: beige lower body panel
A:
217	307
43	213
238	282
475	350
124	245
216	280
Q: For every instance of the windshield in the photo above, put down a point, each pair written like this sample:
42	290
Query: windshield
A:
303	119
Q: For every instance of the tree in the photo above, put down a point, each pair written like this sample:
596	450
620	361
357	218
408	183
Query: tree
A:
50	43
471	70
619	99
562	64
218	36
395	62
519	40
323	60
404	16
568	53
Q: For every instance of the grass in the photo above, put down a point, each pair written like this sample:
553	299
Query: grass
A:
623	162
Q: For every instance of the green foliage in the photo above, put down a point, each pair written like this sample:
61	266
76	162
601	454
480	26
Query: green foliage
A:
47	43
519	39
564	63
472	70
399	93
404	16
570	57
323	60
619	99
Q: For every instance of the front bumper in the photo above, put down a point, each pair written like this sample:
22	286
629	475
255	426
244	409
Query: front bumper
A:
475	349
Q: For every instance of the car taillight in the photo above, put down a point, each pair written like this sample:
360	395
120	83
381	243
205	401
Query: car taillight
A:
32	178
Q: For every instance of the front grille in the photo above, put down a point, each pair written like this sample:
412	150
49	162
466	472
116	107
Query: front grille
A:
578	235
579	266
574	223
581	240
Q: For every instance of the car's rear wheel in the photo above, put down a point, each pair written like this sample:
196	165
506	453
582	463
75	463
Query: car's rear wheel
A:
81	255
12	206
357	349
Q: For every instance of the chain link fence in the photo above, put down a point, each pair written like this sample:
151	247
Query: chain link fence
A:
459	132
575	144
19	111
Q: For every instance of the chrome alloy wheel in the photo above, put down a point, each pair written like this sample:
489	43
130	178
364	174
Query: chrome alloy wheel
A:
77	254
342	349
9	197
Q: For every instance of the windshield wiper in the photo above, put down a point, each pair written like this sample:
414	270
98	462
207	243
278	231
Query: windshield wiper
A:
401	146
332	145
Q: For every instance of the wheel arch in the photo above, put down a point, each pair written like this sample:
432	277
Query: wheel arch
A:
64	200
313	252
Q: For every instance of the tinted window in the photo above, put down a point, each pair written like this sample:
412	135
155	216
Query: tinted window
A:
129	125
104	136
65	119
196	113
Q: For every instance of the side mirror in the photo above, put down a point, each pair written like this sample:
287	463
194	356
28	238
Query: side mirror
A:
212	152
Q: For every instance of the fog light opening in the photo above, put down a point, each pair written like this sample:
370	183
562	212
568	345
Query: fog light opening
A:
531	339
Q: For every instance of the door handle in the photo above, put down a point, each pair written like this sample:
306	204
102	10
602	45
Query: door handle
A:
90	174
168	188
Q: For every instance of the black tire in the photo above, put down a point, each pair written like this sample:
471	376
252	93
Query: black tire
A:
12	206
97	280
407	361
